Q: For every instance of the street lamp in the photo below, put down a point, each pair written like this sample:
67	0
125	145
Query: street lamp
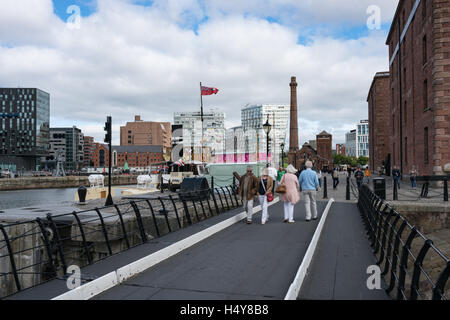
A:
282	154
267	127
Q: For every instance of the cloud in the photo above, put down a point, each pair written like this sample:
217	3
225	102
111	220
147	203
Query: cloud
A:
129	59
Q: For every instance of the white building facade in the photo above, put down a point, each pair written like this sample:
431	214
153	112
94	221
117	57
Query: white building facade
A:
253	118
362	138
212	132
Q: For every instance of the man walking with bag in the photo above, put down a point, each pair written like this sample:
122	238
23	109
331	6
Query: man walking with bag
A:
309	183
248	188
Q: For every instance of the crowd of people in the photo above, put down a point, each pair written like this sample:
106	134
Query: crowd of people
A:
290	183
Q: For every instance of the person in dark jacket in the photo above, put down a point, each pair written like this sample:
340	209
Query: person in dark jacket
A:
396	174
359	175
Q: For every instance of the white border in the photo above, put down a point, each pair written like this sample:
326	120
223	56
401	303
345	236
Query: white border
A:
295	286
120	275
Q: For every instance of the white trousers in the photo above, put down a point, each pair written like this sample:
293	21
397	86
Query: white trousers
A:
288	211
248	207
310	202
264	205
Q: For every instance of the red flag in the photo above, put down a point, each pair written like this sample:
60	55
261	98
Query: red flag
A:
209	91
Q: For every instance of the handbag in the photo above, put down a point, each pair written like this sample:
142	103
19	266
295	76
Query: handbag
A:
281	188
270	197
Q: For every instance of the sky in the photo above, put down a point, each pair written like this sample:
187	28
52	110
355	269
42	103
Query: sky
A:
140	57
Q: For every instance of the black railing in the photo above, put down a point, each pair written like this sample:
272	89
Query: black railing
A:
35	251
413	267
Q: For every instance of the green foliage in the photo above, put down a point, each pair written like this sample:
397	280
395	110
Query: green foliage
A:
339	159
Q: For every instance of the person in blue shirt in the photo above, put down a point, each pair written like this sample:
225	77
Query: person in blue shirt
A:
309	184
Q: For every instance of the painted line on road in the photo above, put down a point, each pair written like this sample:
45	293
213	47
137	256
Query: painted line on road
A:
296	285
114	278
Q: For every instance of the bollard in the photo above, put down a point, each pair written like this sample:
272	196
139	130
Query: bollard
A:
347	189
212	183
395	190
161	184
325	195
234	182
82	191
445	189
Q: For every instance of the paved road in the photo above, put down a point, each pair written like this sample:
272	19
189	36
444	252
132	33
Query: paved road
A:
338	269
246	261
241	262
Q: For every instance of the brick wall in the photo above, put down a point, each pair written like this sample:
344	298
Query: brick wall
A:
420	76
379	116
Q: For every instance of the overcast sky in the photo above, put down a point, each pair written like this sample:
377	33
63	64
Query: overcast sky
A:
129	57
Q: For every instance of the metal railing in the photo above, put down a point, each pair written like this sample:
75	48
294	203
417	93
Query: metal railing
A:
413	267
39	250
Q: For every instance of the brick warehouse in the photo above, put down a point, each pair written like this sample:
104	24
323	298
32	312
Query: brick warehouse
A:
379	114
420	85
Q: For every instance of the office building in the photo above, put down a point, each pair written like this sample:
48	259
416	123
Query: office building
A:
70	143
362	139
24	128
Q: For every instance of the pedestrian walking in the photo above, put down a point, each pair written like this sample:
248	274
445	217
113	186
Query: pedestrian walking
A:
413	177
367	175
309	183
359	175
335	175
291	196
396	174
248	187
264	190
319	176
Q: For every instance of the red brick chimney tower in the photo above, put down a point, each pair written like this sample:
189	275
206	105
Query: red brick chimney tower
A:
293	131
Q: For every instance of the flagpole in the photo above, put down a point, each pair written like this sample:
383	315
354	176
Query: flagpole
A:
201	115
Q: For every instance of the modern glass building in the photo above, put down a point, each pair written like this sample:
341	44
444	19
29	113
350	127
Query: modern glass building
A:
213	133
70	142
350	143
362	138
24	128
254	116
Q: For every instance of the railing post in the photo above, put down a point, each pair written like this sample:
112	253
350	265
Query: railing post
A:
404	264
124	231
47	244
325	191
176	210
225	196
58	242
231	198
387	262
445	189
347	189
11	257
439	287
395	190
215	201
165	213
417	266
220	198
186	209
200	196
398	235
105	233
137	212
191	194
83	237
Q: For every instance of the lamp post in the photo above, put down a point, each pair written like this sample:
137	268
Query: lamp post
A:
267	127
282	155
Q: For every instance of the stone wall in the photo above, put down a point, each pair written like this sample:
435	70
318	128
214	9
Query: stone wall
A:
59	182
428	217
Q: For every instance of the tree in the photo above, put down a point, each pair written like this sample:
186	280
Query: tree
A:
363	160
